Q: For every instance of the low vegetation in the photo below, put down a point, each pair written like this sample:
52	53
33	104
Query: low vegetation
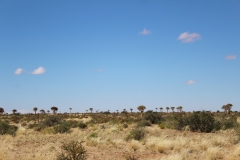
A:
122	135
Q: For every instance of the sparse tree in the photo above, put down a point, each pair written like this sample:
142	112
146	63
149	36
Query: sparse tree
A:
225	108
156	109
117	111
172	108
180	108
161	109
167	108
54	109
141	108
14	111
131	110
91	109
1	111
42	111
35	109
228	107
70	110
48	111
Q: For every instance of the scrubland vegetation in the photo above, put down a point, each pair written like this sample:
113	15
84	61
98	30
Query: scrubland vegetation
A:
121	136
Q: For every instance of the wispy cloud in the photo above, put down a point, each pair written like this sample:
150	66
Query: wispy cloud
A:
231	57
187	37
99	70
145	32
19	71
39	70
190	82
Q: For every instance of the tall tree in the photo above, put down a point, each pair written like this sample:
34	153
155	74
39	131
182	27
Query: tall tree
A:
35	109
70	110
42	111
131	110
228	107
14	111
54	109
141	108
172	108
167	108
161	109
1	111
91	109
156	109
180	108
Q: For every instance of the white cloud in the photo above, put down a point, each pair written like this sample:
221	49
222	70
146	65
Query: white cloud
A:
191	82
19	71
39	70
145	32
189	37
231	57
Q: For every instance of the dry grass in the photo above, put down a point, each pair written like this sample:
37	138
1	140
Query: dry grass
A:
110	144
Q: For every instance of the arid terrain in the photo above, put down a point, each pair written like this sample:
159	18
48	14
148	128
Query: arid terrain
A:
108	142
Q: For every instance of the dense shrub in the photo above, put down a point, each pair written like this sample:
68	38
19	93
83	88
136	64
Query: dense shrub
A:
5	128
72	151
154	118
231	122
63	127
48	130
52	120
136	134
162	126
82	125
143	123
197	121
73	123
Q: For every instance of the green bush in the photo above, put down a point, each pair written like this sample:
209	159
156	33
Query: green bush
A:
48	130
230	123
143	123
93	135
154	118
82	125
197	121
72	151
125	125
136	134
162	126
5	128
31	126
73	123
52	120
63	127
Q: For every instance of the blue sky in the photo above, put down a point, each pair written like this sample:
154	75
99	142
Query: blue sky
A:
111	55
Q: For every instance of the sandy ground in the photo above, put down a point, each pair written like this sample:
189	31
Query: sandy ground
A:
110	144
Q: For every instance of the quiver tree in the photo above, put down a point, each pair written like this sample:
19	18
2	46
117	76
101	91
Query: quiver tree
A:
70	110
172	108
48	111
167	108
227	108
161	109
14	111
1	111
180	108
91	109
156	109
42	111
141	108
35	109
131	110
54	109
